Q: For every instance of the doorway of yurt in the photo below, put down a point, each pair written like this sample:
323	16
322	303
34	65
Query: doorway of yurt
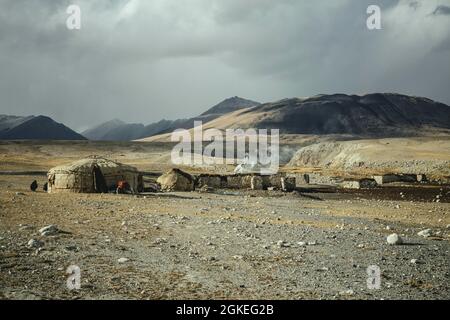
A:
99	180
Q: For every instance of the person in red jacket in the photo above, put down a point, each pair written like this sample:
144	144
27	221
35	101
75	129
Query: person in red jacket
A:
123	187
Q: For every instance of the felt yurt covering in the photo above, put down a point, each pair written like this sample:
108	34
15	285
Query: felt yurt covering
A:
80	176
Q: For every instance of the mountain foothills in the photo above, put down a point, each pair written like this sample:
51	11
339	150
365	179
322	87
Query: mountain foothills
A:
369	115
372	116
35	128
117	130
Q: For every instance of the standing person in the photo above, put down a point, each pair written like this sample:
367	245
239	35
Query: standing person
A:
34	186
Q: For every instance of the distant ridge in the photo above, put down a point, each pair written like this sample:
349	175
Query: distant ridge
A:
117	130
35	128
371	115
230	105
377	114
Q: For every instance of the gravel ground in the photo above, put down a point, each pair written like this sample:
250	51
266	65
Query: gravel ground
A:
222	245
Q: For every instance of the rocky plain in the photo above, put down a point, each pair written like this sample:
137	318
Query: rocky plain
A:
312	243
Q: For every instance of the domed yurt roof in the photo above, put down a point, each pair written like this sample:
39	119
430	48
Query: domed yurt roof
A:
86	165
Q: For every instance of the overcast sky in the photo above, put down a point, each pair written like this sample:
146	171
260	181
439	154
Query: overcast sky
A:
144	60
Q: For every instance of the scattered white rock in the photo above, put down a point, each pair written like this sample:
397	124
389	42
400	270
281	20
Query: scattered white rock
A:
425	233
302	244
123	260
394	239
33	243
348	292
282	243
50	230
71	248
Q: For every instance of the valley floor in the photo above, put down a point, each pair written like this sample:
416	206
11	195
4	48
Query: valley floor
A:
224	245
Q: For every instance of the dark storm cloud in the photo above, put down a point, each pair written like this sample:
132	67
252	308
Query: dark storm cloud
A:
145	60
445	10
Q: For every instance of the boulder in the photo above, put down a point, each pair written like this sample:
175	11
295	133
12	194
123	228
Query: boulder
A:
36	244
123	260
176	180
394	239
50	230
425	233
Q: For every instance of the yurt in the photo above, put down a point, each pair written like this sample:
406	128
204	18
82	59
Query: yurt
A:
92	175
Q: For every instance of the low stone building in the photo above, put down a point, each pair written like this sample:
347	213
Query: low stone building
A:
176	180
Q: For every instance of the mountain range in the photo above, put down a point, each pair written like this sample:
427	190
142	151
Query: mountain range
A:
378	114
117	130
371	115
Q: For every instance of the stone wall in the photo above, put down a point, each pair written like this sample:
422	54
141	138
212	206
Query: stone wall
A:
359	184
246	181
300	178
390	178
213	181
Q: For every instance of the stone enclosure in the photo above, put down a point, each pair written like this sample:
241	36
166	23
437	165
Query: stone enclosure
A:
177	180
